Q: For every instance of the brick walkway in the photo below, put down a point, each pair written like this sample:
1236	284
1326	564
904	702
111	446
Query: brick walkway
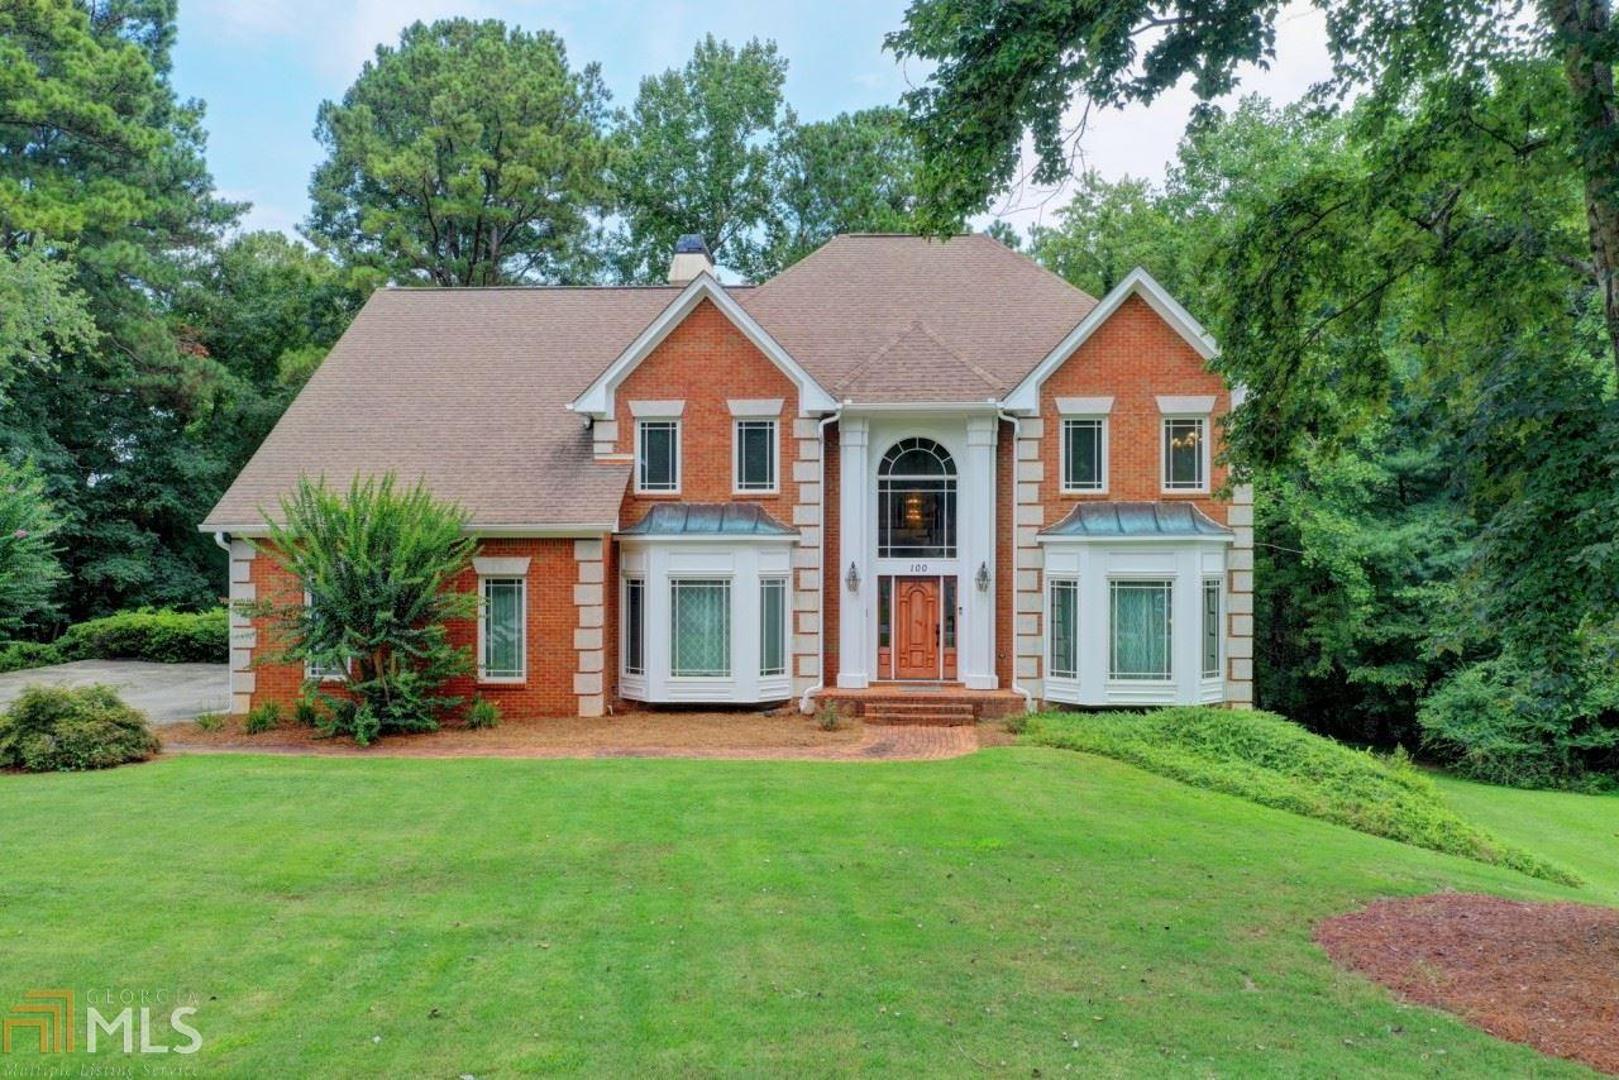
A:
876	742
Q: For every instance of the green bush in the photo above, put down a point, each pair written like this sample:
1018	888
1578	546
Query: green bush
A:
163	636
1274	762
262	718
827	718
22	655
307	712
211	721
1016	724
483	714
55	729
1489	722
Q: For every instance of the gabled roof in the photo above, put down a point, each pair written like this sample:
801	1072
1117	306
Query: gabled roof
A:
1136	521
1025	396
917	366
597	398
731	520
995	310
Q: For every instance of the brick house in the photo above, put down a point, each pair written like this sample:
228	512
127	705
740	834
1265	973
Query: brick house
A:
904	473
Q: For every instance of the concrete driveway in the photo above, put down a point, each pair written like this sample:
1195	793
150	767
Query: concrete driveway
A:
166	693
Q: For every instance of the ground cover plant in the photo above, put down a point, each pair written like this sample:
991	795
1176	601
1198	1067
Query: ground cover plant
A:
1048	910
1272	761
56	729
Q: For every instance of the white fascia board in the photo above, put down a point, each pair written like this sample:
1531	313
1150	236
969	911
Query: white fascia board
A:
597	399
1025	396
540	532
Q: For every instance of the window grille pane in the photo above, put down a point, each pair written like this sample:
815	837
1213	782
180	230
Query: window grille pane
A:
702	628
503	628
1183	453
773	627
1139	646
1083	453
659	465
1064	629
634	627
1211	628
756	455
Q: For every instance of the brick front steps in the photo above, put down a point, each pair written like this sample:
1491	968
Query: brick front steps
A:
939	705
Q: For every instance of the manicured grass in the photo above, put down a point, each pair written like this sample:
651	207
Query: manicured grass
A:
1275	762
1579	831
1044	909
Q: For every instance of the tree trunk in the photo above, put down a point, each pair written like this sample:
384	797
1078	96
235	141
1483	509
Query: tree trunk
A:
1586	33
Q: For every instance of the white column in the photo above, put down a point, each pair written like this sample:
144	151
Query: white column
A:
1186	624
976	514
855	649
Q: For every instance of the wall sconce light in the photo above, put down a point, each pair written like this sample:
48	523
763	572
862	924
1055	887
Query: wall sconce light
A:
852	578
983	577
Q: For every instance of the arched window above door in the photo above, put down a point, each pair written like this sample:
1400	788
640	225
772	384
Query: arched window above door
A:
916	501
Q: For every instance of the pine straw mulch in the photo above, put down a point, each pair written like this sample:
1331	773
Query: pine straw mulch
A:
1542	974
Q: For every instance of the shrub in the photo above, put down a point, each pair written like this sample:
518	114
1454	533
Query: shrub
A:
1016	724
159	635
55	729
827	718
1274	762
262	718
379	566
307	712
22	655
211	721
483	714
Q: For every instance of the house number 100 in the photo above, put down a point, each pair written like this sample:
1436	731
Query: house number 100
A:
919	568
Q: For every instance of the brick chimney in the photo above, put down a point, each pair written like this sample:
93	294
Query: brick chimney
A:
691	258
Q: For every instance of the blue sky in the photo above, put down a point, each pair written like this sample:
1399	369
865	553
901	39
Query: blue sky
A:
263	67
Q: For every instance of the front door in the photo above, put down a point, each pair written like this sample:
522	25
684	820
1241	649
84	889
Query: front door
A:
916	628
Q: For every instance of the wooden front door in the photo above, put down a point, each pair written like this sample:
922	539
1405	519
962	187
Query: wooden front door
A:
916	628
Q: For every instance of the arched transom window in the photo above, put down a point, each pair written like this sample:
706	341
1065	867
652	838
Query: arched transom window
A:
916	502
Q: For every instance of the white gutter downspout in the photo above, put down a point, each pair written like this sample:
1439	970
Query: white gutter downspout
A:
820	637
1017	428
223	540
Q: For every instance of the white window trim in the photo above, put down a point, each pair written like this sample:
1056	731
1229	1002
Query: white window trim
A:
1163	453
736	456
1219	628
522	631
674	581
640	423
1050	620
310	674
786	624
1115	680
624	626
1104	450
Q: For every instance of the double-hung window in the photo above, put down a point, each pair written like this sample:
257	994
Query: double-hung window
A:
657	455
634	626
1139	643
322	670
1063	628
700	639
1186	453
1084	454
502	629
755	456
1211	628
773	626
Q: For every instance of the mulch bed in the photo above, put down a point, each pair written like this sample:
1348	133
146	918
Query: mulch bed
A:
1542	974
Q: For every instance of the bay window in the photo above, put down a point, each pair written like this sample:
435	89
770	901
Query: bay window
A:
634	626
1063	612
773	626
1139	645
700	639
1211	628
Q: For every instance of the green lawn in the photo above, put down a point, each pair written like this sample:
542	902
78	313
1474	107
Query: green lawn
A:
1044	909
1578	831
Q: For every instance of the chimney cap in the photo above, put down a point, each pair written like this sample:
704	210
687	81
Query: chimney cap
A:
692	244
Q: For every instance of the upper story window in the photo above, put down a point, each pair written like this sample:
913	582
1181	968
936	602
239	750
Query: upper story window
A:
756	456
1084	453
1186	453
916	502
657	455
